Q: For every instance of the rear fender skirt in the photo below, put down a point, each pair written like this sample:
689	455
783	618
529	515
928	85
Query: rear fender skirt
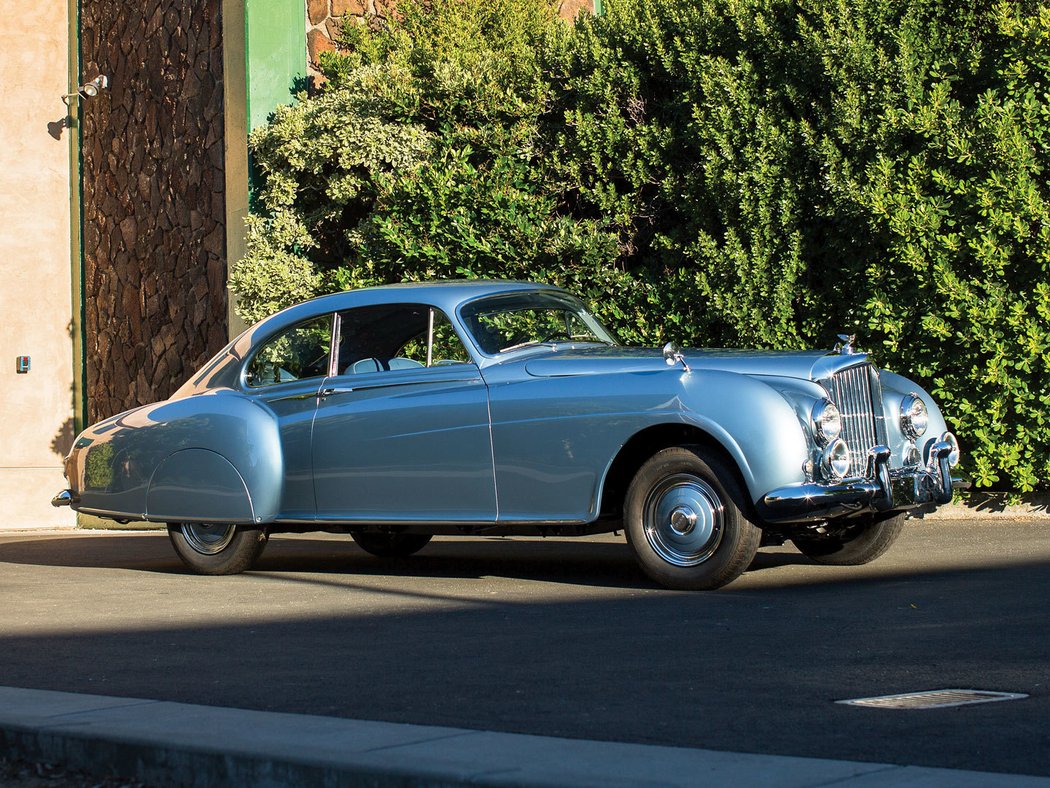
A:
197	485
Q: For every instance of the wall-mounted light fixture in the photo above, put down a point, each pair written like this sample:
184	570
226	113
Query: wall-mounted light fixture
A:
88	89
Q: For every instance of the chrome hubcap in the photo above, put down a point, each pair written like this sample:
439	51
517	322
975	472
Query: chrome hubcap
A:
208	539
684	519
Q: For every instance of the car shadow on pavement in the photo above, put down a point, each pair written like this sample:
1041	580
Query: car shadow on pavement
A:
755	667
150	551
605	563
562	561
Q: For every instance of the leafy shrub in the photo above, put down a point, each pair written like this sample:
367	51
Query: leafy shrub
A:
719	172
420	160
965	218
877	166
320	160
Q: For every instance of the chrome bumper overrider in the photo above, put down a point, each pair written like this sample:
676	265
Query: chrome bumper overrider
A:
64	498
883	489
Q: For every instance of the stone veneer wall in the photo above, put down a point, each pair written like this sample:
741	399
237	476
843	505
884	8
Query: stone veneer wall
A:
324	19
153	198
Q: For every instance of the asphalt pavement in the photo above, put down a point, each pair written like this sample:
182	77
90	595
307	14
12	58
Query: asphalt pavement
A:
563	639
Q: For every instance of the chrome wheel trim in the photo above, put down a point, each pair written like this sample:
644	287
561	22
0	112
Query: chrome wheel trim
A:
683	519
208	539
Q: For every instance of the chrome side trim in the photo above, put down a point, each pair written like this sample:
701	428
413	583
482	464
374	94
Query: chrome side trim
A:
422	521
389	384
293	397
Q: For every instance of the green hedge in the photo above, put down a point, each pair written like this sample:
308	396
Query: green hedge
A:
718	172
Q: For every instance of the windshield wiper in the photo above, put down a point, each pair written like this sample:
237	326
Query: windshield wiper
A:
530	343
553	345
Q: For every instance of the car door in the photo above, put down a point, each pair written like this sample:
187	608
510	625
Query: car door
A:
284	375
401	432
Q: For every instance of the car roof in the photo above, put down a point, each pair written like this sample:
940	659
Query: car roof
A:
446	295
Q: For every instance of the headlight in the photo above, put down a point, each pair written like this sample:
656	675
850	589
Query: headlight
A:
827	421
914	416
835	459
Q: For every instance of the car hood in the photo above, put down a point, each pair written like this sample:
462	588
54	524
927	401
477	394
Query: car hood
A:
804	364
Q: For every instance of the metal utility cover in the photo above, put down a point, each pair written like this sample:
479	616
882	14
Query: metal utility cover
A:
933	699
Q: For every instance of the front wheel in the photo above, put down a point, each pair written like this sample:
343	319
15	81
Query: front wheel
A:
685	521
216	549
858	544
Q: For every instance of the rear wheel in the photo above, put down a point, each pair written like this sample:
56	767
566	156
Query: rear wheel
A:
216	549
685	521
858	544
390	545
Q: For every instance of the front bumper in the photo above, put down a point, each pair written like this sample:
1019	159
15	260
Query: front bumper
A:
881	490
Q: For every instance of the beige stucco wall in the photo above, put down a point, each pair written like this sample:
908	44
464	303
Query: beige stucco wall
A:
35	280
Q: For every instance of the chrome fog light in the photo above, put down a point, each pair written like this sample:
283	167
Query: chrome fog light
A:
935	448
914	416
953	457
911	455
827	421
835	459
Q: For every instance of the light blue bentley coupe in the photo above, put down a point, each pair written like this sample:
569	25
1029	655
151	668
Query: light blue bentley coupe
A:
498	408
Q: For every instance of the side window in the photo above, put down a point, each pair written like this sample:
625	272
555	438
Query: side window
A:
299	353
396	336
441	348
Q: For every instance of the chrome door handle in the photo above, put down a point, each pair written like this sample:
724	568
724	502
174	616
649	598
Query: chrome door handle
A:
328	392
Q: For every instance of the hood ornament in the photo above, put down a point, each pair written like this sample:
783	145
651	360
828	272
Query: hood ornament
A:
844	347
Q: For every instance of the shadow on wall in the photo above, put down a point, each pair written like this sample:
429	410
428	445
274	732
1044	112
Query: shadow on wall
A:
63	440
55	127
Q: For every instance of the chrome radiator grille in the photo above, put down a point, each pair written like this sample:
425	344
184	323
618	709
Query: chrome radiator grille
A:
852	391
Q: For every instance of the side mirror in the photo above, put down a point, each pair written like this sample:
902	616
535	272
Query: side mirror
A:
673	355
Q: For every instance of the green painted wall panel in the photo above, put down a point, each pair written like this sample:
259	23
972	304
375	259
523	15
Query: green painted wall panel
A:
275	32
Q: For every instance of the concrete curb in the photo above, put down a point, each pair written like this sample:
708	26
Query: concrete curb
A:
202	746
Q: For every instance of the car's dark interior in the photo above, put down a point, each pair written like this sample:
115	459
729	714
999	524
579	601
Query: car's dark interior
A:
371	337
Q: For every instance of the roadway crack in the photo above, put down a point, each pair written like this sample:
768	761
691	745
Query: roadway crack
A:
422	741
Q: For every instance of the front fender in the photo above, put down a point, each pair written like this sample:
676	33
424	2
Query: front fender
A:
894	388
753	422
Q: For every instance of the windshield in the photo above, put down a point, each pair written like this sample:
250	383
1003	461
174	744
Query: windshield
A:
509	322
